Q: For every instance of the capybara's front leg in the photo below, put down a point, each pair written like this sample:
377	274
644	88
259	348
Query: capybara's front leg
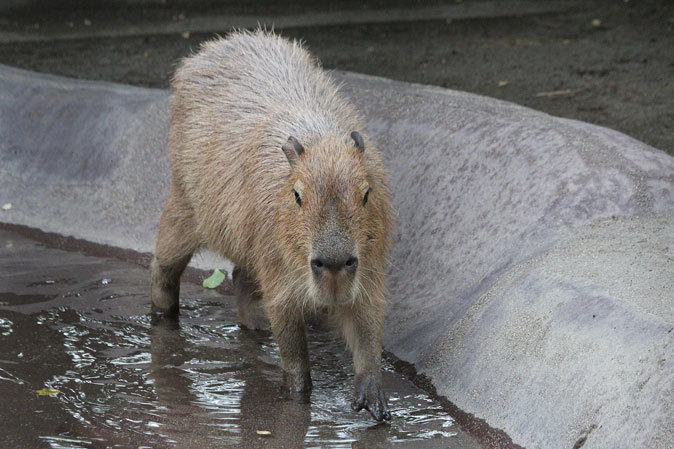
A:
290	334
176	242
362	327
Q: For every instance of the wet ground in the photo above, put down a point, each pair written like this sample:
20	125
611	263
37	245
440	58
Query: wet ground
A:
606	62
79	324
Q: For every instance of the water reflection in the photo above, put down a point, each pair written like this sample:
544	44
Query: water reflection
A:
265	407
131	380
250	404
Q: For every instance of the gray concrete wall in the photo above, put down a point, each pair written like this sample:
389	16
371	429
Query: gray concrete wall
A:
532	273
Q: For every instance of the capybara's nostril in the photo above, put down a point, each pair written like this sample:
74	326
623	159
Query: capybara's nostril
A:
351	263
317	266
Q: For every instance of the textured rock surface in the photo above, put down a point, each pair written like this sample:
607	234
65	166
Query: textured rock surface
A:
532	276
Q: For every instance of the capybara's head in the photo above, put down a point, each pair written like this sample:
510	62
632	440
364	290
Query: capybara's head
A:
334	219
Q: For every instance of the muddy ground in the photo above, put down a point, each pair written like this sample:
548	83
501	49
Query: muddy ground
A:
606	62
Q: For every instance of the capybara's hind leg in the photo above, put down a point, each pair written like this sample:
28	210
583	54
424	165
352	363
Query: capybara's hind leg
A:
248	300
176	242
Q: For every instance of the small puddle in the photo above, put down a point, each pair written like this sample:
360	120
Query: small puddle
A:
79	324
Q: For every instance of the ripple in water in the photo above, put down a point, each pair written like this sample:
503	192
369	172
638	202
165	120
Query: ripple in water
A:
201	382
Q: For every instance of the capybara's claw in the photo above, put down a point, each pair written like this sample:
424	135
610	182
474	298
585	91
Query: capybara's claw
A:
370	396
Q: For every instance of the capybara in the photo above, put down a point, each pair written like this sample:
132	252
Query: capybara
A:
270	168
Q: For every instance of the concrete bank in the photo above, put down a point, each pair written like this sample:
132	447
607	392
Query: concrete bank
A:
532	276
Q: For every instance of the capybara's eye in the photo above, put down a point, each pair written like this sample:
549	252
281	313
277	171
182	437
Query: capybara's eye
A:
298	200
365	197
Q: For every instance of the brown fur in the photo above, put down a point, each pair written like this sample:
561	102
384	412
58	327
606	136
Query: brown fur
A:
236	103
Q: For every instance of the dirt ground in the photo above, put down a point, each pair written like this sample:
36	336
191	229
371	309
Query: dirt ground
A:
607	62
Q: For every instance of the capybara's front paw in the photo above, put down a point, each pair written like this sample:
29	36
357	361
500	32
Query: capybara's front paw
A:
370	396
297	382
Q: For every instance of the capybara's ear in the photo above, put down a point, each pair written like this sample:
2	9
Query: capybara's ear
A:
358	140
293	149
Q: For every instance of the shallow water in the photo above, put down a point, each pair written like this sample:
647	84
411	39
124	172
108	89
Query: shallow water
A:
80	324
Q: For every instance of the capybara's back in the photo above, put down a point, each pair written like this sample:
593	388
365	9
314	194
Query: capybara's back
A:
271	170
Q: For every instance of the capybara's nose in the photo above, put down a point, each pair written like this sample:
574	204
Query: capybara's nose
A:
334	264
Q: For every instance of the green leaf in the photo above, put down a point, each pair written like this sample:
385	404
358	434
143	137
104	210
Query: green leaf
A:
47	392
215	279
